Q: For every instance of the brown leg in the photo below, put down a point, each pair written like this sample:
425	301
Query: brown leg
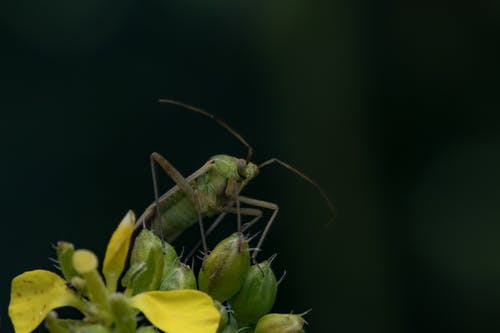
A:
257	213
261	204
183	184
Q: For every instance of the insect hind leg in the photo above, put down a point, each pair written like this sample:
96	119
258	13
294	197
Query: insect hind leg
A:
183	184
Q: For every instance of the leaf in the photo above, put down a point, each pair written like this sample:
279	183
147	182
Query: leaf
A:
117	251
179	311
34	294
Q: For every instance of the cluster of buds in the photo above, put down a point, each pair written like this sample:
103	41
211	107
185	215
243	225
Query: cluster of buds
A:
249	291
228	295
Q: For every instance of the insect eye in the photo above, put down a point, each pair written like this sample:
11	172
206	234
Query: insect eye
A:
241	165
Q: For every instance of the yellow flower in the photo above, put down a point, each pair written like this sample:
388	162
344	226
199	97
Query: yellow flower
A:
35	293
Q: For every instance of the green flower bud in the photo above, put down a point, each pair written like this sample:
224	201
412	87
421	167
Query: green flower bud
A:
56	325
224	315
93	329
65	252
145	241
123	313
223	271
257	294
280	323
246	330
143	244
80	285
146	264
179	276
170	258
230	327
146	329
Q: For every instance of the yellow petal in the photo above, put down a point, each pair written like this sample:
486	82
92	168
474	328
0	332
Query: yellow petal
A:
116	253
179	311
33	295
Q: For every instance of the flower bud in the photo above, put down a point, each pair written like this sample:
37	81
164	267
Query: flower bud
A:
143	244
65	252
280	323
170	257
224	314
230	327
146	329
79	284
179	276
56	325
224	269
257	294
146	264
123	313
246	330
94	329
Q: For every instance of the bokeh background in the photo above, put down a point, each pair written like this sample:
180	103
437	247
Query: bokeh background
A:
393	107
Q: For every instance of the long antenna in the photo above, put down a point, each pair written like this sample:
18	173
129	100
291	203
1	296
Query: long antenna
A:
303	176
217	120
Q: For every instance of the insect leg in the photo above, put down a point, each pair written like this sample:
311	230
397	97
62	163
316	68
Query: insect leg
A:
261	204
238	213
183	185
202	230
209	231
256	213
247	211
173	173
157	201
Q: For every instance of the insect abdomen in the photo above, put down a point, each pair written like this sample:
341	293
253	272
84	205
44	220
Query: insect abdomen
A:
177	217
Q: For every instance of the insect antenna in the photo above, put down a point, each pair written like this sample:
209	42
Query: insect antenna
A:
327	200
217	120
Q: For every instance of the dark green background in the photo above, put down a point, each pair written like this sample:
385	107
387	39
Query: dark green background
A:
392	106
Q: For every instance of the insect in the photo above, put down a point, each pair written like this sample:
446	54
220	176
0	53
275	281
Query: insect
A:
213	189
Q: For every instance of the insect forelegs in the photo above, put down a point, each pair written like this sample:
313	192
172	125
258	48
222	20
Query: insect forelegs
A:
261	204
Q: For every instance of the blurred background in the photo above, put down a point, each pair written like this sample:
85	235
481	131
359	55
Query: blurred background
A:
393	107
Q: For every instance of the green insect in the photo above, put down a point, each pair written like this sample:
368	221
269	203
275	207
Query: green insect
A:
214	189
